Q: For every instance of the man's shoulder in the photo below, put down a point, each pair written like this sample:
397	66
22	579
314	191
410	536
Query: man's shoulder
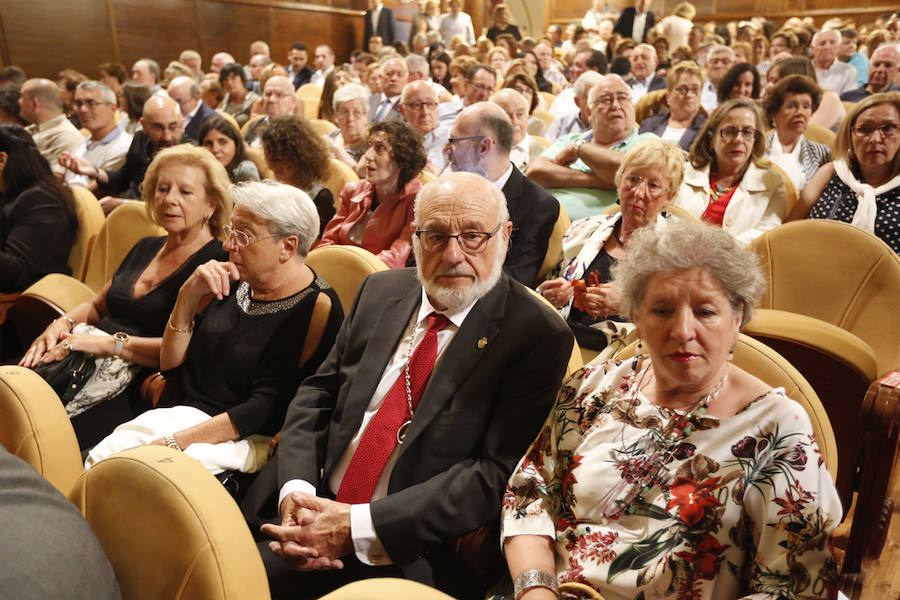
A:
523	305
855	95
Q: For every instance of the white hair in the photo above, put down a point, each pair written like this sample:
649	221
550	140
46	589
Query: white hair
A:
414	62
719	48
585	82
351	91
105	92
285	209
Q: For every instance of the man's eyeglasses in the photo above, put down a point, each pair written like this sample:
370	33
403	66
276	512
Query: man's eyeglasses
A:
90	104
730	133
470	242
275	94
350	114
427	105
887	130
241	238
481	87
608	100
452	141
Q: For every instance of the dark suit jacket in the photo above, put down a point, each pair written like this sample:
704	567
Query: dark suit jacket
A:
193	128
126	182
299	78
387	27
657	124
482	406
533	212
394	115
656	83
625	24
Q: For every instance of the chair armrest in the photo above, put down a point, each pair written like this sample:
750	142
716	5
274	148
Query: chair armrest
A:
152	390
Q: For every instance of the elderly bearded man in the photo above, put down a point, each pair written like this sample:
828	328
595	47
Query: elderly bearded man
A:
375	477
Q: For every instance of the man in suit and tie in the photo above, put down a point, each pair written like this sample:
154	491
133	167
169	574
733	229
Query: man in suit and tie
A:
186	92
386	105
643	69
405	437
480	142
635	21
380	21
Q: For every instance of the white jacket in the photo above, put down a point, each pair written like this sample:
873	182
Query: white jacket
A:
759	203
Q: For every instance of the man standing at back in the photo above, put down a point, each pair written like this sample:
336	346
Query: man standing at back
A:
635	21
41	105
456	23
379	20
439	380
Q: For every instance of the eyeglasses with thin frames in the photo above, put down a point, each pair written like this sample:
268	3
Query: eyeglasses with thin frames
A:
470	242
887	130
243	239
730	133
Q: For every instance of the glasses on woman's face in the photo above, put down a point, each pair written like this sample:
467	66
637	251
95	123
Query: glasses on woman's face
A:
350	114
655	188
887	130
684	90
470	242
243	239
729	134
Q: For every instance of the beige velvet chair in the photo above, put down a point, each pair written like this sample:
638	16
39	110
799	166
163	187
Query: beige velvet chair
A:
386	588
90	222
321	126
554	247
35	427
339	175
344	268
169	528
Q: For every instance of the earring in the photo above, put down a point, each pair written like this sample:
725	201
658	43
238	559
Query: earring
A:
637	356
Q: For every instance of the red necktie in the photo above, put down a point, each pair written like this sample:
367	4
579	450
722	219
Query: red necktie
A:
383	432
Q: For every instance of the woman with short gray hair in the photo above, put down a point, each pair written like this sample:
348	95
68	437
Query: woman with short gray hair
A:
351	110
242	336
675	470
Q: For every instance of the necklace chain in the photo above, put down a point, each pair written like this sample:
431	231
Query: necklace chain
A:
401	431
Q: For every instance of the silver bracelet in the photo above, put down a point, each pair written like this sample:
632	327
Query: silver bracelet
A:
533	578
70	320
171	443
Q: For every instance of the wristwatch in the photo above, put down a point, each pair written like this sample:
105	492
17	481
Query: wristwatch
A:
578	146
120	337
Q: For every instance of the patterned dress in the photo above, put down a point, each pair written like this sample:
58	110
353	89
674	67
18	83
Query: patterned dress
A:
742	509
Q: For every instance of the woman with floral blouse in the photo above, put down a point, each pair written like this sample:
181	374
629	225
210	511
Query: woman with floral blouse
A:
675	474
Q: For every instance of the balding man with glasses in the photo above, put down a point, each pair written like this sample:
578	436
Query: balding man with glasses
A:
579	169
419	106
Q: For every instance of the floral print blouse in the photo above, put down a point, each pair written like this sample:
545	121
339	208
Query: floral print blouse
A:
742	509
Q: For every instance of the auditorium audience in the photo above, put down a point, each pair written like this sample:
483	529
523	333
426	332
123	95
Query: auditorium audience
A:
524	147
862	185
830	112
146	71
648	179
241	337
789	106
502	23
525	85
298	156
186	193
682	122
375	213
832	74
186	92
676	457
727	182
225	142
718	62
643	72
37	213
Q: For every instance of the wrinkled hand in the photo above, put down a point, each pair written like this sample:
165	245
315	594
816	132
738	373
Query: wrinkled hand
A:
212	277
558	291
87	343
566	156
77	165
108	204
601	300
314	533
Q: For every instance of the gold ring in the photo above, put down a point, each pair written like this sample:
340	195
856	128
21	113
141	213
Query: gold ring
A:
67	346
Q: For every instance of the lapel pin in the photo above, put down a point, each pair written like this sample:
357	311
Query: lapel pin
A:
482	343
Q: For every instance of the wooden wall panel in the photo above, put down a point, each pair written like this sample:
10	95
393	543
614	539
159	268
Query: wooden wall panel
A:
159	29
231	28
343	32
44	37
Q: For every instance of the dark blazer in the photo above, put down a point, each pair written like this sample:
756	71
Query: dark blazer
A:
387	27
482	406
193	128
656	83
533	212
302	76
657	124
126	182
393	115
626	23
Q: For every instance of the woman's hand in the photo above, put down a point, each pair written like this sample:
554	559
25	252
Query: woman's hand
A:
557	291
601	300
45	342
96	345
213	277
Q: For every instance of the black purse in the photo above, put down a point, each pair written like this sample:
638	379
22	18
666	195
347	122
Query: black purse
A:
68	376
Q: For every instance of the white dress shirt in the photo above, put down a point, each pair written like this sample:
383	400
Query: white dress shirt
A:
839	77
318	78
709	97
368	548
458	24
107	154
637	28
640	87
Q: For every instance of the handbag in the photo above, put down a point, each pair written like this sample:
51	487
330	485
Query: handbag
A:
68	375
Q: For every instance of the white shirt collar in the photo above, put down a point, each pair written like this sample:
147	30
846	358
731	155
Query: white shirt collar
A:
456	317
501	181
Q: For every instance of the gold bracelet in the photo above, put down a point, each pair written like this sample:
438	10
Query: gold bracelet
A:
190	328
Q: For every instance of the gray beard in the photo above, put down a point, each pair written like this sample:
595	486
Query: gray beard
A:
456	299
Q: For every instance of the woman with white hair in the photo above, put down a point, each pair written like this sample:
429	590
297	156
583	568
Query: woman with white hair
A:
242	336
351	110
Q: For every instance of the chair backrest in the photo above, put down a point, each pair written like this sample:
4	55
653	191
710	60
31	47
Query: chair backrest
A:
548	99
169	528
90	221
838	273
344	268
761	361
554	246
321	126
790	189
817	133
386	588
575	360
259	159
228	118
36	428
309	90
546	116
339	175
246	125
542	141
650	104
124	227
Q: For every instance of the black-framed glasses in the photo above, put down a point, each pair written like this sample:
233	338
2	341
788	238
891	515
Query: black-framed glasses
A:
452	141
427	105
470	242
887	130
241	238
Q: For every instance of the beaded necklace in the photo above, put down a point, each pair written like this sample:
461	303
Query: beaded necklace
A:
647	462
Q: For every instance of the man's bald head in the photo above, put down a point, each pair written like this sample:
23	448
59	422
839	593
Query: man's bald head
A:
884	67
516	108
278	96
146	71
419	105
219	60
40	101
162	121
186	92
483	134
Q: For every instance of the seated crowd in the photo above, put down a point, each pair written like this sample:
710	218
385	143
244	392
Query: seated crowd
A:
669	145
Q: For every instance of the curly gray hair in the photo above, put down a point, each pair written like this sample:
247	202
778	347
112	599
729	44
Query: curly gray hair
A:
686	245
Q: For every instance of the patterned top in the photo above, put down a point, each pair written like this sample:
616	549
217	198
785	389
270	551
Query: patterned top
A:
743	505
838	203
